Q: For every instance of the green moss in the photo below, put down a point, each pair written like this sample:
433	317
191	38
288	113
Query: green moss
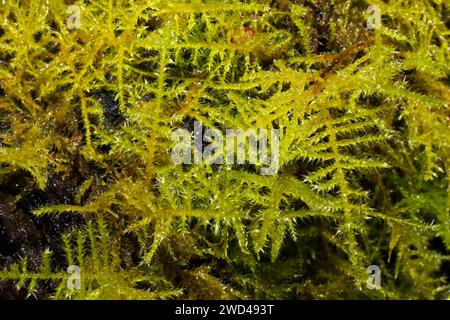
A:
364	152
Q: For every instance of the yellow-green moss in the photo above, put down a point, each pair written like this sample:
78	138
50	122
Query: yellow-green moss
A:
364	152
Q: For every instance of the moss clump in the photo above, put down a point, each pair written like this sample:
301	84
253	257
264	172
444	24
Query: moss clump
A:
87	112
